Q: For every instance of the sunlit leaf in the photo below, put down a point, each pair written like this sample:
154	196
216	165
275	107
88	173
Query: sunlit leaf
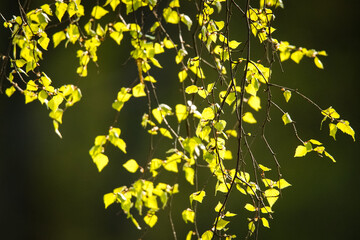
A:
329	156
287	95
131	165
254	103
265	169
300	151
109	199
187	20
60	10
251	226
297	56
188	215
117	36
271	195
282	183
191	89
181	112
250	207
189	174
101	161
265	222
332	130
197	196
165	133
208	235
171	16
286	118
150	219
318	63
221	224
57	115
249	118
182	75
344	126
9	91
234	44
189	235
208	114
98	12
138	90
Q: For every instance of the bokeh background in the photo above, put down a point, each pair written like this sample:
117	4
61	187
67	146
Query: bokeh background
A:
50	189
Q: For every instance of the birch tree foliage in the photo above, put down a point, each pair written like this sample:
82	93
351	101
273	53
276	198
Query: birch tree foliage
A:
224	86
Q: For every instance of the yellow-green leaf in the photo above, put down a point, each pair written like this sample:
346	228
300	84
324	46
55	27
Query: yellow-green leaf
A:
282	183
208	114
332	130
318	63
181	112
101	161
287	95
131	165
98	12
150	219
265	169
9	91
208	235
191	89
189	174
56	128
249	118
286	118
331	113
254	103
188	215
109	199
344	126
57	115
234	44
272	196
58	37
188	236
138	90
44	42
297	56
165	133
171	16
300	151
221	224
265	222
250	207
182	75
329	156
197	196
117	36
60	9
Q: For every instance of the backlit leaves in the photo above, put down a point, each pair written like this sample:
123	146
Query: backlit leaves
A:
131	165
98	12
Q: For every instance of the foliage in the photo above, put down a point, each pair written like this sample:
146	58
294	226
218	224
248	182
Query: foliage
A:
215	112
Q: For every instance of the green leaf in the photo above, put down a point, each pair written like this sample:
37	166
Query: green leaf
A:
318	63
181	112
131	165
208	235
249	118
286	118
44	42
251	226
171	16
56	128
165	133
331	113
101	161
55	102
300	151
46	8
344	126
287	95
60	10
188	215
150	219
191	89
73	33
138	90
117	105
208	114
109	199
98	12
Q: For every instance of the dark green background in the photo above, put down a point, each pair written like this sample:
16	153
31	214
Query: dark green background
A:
50	189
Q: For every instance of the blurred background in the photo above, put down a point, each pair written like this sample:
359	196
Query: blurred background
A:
50	189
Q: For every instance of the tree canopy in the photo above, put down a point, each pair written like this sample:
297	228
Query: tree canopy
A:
207	144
